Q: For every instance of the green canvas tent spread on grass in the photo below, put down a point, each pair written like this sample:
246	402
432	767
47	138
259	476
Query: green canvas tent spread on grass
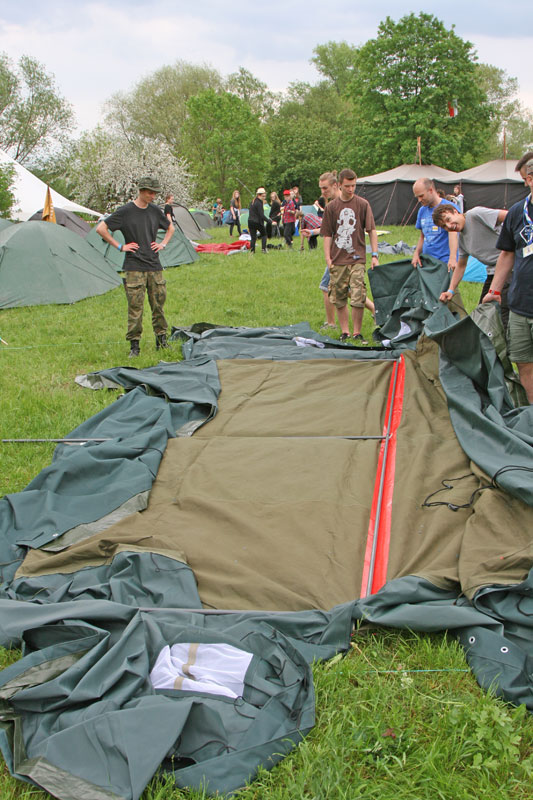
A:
264	495
178	251
43	263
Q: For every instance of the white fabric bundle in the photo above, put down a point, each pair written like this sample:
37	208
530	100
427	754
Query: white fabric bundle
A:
193	667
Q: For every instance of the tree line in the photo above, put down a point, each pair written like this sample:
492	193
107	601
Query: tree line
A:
205	135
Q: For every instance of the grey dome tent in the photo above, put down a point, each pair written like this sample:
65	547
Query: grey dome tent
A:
187	223
390	193
42	263
203	219
494	184
178	251
67	219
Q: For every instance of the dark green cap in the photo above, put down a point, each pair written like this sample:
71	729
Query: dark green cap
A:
149	183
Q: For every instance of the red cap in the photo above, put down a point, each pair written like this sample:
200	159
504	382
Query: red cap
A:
286	191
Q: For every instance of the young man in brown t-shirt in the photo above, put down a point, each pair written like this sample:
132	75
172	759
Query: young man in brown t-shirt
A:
343	227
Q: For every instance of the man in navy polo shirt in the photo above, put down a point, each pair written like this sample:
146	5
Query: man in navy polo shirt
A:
516	243
433	241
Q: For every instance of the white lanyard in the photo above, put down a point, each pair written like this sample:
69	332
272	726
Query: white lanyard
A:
527	231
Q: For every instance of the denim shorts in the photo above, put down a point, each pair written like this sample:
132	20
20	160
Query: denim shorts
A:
324	283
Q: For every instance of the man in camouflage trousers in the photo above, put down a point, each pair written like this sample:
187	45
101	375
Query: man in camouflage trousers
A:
139	222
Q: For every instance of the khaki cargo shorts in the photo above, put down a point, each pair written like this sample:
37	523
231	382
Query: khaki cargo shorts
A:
347	279
520	338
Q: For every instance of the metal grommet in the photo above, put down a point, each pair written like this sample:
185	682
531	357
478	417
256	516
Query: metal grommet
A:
472	640
504	649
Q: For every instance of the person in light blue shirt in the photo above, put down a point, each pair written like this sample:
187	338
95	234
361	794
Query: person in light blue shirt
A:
433	241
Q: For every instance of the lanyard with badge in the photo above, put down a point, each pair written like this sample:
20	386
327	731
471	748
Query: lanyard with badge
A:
527	231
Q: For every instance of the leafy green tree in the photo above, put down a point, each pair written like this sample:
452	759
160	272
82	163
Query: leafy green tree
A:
7	198
518	133
253	91
511	123
403	83
33	116
311	133
224	143
336	61
156	108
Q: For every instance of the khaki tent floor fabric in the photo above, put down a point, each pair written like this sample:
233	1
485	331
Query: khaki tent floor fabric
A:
270	505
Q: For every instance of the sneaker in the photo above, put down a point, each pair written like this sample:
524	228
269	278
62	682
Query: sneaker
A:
358	339
135	349
344	337
161	341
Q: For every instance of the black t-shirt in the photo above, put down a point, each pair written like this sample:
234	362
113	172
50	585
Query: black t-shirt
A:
275	211
139	225
169	210
516	235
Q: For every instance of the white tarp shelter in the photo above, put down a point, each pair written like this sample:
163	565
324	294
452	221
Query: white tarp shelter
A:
30	192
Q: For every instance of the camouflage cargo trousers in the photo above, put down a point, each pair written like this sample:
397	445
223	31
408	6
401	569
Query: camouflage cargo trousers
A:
136	284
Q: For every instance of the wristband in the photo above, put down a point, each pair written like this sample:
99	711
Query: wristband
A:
496	294
375	255
119	246
451	291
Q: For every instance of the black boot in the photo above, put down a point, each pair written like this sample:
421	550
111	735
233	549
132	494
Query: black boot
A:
161	341
135	349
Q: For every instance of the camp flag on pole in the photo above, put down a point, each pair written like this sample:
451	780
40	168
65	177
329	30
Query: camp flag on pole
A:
453	110
49	215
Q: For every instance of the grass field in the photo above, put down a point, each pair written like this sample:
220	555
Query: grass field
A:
401	716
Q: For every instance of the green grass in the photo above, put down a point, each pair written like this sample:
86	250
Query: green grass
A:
401	716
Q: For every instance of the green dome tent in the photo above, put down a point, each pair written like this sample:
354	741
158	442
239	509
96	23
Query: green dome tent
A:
42	263
178	251
5	223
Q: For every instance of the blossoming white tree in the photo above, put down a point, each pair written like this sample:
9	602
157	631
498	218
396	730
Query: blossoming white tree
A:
105	169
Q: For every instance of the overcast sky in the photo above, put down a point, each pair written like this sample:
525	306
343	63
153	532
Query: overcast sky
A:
97	48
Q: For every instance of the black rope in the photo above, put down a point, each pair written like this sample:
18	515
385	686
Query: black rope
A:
519	608
236	705
508	468
447	484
